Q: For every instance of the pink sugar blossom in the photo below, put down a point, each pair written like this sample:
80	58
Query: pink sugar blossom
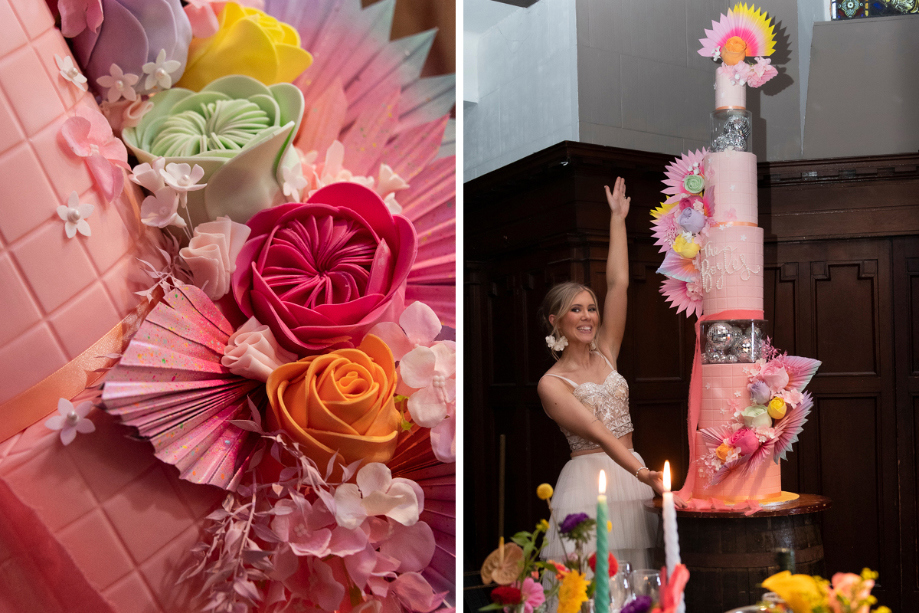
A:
71	419
378	493
775	376
90	137
761	72
77	15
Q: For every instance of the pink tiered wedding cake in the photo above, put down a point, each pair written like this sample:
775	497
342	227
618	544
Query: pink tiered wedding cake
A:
746	403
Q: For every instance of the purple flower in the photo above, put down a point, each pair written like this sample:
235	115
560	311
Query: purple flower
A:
760	392
641	604
134	34
571	522
691	220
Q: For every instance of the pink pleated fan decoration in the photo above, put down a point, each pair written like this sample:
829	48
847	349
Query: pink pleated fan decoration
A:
414	459
366	92
171	386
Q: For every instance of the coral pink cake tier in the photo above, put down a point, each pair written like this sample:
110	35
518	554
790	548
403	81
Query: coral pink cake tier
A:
227	287
747	403
731	269
58	294
730	181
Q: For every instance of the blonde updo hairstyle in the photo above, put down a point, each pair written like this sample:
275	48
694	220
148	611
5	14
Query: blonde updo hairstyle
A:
557	302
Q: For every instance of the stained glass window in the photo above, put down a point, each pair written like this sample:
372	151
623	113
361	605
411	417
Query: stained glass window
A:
853	9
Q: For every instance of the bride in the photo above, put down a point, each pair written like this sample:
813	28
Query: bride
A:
589	400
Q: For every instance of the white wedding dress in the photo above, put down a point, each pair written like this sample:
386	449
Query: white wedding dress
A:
633	528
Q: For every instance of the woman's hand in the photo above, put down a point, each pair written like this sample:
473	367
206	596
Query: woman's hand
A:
618	203
655	480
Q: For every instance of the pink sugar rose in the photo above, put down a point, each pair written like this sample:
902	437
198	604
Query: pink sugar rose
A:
775	376
320	274
746	440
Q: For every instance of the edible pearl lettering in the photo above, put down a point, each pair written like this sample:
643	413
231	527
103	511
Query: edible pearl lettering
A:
714	268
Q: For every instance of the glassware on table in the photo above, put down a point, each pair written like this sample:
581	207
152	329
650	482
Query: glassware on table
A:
620	590
646	582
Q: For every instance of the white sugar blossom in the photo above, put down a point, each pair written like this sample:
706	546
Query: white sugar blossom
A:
162	209
71	420
74	215
70	72
119	84
294	182
159	72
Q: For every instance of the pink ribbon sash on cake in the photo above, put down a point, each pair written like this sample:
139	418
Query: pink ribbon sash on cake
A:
695	390
40	400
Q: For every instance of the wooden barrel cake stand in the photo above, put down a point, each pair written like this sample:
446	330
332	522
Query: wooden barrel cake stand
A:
729	554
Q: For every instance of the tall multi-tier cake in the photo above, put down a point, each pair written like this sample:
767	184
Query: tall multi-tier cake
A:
746	403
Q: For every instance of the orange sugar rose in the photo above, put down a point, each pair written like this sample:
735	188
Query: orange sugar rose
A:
340	401
735	50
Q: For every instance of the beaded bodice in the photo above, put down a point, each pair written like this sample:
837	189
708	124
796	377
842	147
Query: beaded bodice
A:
609	402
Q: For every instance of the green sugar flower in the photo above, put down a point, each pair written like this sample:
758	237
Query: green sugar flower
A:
238	130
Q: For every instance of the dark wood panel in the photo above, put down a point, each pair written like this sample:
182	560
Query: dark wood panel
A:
845	293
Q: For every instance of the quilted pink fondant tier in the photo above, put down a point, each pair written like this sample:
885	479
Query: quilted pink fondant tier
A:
58	295
125	520
728	94
731	268
724	390
763	483
730	183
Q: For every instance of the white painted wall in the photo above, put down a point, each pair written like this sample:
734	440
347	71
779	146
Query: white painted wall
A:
863	88
527	87
470	68
626	73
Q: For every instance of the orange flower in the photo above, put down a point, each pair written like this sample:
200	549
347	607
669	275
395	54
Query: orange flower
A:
340	401
735	50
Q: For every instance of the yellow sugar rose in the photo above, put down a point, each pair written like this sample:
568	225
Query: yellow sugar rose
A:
686	247
723	451
735	50
777	408
340	401
248	42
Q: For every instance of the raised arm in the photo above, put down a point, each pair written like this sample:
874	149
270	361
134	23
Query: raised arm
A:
609	339
573	416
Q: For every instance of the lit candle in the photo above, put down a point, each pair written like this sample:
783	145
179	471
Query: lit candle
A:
671	540
601	594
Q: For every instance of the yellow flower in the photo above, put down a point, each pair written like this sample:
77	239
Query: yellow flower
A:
572	592
250	43
542	525
609	526
801	592
723	451
777	408
686	247
544	491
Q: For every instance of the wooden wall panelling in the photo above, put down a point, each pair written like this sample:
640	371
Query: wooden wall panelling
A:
906	324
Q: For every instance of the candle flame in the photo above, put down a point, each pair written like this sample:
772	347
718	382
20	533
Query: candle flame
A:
667	476
602	481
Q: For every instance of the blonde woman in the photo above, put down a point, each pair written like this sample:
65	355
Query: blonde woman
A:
589	400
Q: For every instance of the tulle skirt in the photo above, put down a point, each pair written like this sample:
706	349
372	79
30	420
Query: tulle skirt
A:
634	528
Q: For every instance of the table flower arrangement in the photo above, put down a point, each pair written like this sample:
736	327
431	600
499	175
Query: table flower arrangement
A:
299	349
846	593
526	584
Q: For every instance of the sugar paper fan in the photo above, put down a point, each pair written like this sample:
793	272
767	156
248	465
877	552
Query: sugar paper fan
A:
171	386
678	294
415	460
790	426
680	168
800	370
676	266
747	23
